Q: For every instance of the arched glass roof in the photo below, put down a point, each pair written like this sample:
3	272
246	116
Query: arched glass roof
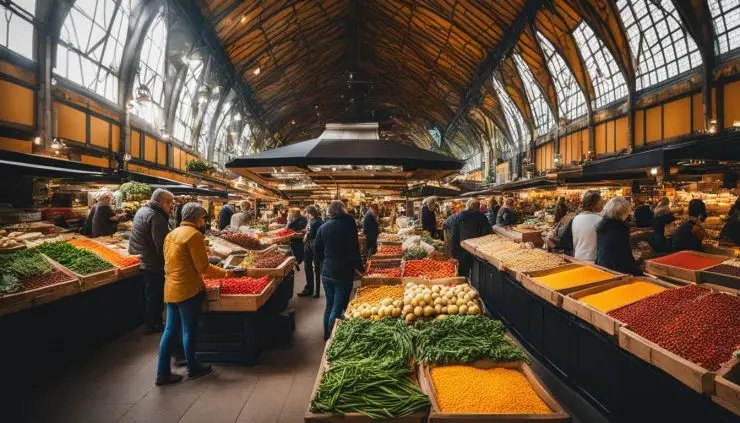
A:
571	101
726	16
543	117
16	26
608	81
151	72
517	126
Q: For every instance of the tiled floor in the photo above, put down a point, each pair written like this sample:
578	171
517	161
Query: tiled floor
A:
116	384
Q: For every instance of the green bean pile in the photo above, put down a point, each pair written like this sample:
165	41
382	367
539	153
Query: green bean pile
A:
357	339
462	339
377	389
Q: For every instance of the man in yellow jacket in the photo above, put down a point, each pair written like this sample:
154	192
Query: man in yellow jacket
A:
186	263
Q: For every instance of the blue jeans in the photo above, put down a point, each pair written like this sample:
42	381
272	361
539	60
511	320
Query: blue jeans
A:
183	315
337	297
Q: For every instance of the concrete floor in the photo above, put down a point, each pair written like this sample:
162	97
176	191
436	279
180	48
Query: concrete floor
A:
116	383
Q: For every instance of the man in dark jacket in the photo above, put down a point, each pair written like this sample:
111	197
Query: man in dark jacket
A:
151	226
471	223
492	213
429	217
506	215
224	216
297	222
731	231
312	266
338	247
689	234
371	228
613	249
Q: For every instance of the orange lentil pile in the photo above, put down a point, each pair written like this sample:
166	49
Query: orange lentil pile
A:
466	389
106	253
375	294
572	277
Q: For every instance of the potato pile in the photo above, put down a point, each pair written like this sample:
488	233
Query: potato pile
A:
375	302
423	301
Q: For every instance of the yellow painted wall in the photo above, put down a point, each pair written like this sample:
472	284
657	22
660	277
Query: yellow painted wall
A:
610	136
136	144
18	104
99	132
177	158
698	115
19	146
622	132
17	72
585	142
677	116
71	123
653	124
161	153
150	149
600	137
94	161
731	103
115	138
639	128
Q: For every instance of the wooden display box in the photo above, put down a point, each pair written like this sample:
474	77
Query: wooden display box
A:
380	280
240	303
93	280
674	272
283	269
555	296
727	386
598	318
123	272
436	415
720	279
691	374
520	235
17	301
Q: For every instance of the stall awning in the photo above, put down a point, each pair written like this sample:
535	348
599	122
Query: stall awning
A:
13	163
191	190
432	191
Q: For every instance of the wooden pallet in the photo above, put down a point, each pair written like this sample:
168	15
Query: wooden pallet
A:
727	386
22	300
240	303
436	415
691	374
660	269
598	318
555	296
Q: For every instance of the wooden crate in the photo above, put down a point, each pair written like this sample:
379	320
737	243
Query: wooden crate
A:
720	279
520	235
283	269
555	296
598	318
92	280
691	374
727	387
436	415
241	303
12	303
674	272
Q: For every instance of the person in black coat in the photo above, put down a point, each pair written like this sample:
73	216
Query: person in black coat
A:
312	266
224	216
662	216
338	247
731	231
643	216
371	228
297	222
561	209
492	213
471	223
429	217
613	249
689	234
506	215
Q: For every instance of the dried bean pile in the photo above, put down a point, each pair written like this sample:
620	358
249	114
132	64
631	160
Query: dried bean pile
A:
40	281
726	269
269	260
691	321
384	264
241	239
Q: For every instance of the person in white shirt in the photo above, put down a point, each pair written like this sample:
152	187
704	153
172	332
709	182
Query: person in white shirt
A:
583	226
243	217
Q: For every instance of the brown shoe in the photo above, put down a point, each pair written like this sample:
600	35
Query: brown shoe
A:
168	380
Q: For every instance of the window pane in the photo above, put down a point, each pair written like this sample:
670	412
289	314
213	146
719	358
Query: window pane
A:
571	101
151	70
607	79
188	104
16	26
726	17
657	39
514	119
543	117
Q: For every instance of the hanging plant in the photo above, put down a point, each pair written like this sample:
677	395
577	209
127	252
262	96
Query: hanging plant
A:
197	165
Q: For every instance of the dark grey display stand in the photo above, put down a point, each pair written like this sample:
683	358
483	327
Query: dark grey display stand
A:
623	387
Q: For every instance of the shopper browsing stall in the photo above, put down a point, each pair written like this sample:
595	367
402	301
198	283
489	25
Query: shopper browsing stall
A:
471	223
371	228
731	231
338	247
662	216
561	209
186	262
313	265
506	215
224	216
104	218
297	222
613	249
147	240
492	213
688	235
243	217
580	238
429	216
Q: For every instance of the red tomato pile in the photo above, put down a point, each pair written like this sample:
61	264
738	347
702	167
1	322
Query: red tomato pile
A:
240	286
429	269
38	281
691	322
241	239
284	232
389	251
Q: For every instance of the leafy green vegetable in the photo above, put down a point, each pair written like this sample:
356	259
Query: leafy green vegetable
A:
24	263
197	165
415	253
76	259
462	339
388	339
135	188
9	284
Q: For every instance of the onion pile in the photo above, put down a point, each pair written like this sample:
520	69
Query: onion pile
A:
386	308
422	301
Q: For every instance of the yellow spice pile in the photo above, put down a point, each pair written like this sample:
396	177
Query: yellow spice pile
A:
376	294
466	389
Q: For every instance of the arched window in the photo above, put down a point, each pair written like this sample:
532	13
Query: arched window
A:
245	140
188	103
224	137
606	77
151	71
571	101
16	26
543	117
206	126
661	46
726	16
514	120
91	44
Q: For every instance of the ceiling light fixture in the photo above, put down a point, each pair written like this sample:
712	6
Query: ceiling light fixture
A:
257	70
37	140
56	144
243	19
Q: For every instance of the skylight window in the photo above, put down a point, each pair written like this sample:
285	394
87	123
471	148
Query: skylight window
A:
571	101
514	120
188	107
16	26
606	77
726	16
150	74
543	117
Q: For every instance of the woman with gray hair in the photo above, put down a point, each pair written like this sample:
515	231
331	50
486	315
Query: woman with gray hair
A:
613	249
186	263
338	248
429	216
104	219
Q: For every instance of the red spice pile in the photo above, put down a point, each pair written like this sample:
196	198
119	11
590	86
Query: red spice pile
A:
39	281
240	286
429	269
691	322
687	260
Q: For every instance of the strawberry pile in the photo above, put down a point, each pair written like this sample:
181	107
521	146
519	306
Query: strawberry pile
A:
429	269
240	286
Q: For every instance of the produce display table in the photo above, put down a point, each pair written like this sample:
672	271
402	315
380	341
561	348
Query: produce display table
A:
240	337
623	386
520	235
